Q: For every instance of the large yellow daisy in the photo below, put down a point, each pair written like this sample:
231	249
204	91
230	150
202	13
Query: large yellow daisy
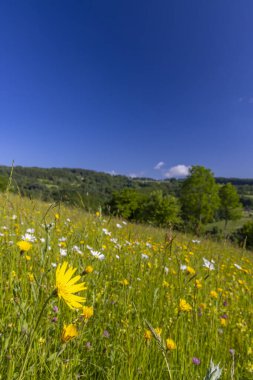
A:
67	286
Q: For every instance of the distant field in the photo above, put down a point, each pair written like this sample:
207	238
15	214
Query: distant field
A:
232	225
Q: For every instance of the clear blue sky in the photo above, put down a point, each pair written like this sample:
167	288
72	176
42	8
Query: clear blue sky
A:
124	85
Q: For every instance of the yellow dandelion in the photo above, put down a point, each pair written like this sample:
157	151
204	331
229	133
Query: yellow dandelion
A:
184	306
125	282
87	312
170	344
190	270
147	335
66	286
69	332
198	284
24	246
88	269
213	294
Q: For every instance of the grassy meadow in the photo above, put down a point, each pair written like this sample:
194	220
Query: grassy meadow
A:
153	307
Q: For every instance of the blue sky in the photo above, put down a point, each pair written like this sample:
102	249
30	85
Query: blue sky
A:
124	86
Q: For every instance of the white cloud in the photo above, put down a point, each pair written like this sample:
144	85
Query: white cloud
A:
177	171
159	165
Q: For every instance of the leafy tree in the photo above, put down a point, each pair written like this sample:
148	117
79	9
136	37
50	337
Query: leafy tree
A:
199	197
244	235
160	210
3	183
230	206
127	203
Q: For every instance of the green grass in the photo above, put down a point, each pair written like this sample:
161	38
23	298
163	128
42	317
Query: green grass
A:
232	225
140	279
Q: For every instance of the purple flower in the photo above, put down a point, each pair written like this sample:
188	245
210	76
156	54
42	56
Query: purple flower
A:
55	309
224	316
88	345
225	303
106	334
195	361
232	351
54	319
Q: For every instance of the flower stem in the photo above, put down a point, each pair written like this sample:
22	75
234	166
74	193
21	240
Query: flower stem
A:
31	337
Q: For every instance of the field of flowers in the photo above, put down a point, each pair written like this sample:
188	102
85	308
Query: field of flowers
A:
89	297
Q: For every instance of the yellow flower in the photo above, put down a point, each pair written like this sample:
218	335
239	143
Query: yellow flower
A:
88	269
158	331
24	246
69	332
87	312
125	282
170	344
184	306
198	284
57	216
147	335
66	286
213	294
190	270
223	322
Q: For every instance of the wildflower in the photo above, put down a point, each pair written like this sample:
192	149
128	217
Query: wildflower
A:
184	306
88	269
87	312
66	286
213	372
198	284
170	344
42	341
97	254
158	331
106	334
190	270
208	264
24	246
213	294
195	361
69	332
147	335
125	282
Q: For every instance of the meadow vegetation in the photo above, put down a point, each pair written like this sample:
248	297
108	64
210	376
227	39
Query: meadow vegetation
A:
151	303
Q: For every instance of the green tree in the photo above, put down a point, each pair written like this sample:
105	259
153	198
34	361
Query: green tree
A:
230	206
199	197
126	203
160	209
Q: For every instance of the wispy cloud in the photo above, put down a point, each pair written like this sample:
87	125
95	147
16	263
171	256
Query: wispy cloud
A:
112	172
177	171
159	165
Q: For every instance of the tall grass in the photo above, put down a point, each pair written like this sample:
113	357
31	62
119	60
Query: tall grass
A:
144	276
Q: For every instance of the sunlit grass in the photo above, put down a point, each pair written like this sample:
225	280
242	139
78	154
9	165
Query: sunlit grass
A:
136	277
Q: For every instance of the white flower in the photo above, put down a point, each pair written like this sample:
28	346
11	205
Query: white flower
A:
30	230
75	248
166	270
148	245
62	239
118	225
183	267
237	266
117	256
196	241
63	252
144	256
54	265
29	237
89	248
214	372
97	254
42	240
208	264
125	223
14	217
106	232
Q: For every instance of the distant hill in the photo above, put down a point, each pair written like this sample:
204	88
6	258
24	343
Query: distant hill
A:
92	189
78	186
